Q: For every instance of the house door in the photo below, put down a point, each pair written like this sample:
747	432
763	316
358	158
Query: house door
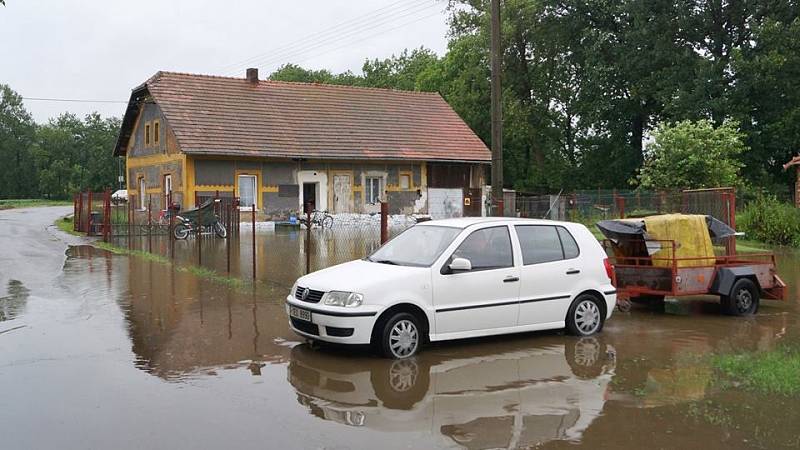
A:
310	195
342	190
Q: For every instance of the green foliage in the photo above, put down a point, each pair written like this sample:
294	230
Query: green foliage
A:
56	159
773	372
688	155
769	220
31	202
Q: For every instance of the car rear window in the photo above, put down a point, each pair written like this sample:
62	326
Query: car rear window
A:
545	243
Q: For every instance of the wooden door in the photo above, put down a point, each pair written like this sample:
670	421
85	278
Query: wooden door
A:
342	190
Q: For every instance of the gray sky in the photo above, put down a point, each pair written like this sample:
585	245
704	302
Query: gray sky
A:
101	49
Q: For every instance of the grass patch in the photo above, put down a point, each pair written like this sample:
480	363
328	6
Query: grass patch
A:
65	224
31	202
200	272
774	372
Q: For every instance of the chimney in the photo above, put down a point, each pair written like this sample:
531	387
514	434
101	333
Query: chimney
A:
252	75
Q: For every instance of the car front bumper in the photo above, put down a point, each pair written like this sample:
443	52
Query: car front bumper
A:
331	323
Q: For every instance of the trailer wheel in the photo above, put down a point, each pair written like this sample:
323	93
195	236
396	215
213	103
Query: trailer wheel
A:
743	299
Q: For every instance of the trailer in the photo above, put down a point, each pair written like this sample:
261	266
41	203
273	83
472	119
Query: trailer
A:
650	267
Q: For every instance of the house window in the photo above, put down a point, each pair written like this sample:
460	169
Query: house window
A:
247	191
156	131
405	181
147	134
373	189
167	189
142	193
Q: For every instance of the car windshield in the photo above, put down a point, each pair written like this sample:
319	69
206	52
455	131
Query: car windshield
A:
417	246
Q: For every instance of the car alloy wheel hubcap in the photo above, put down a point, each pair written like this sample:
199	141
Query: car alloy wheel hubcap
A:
403	375
744	300
403	338
587	317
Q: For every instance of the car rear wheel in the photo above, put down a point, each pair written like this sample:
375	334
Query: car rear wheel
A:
585	317
401	336
743	299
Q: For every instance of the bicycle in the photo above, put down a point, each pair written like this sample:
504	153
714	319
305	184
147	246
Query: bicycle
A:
319	218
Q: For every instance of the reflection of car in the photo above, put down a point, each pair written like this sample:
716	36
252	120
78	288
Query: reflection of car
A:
459	278
519	397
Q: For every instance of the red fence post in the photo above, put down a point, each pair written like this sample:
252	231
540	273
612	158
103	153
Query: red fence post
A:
621	206
107	215
254	241
730	246
384	222
89	231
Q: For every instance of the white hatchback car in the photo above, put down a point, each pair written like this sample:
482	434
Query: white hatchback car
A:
459	278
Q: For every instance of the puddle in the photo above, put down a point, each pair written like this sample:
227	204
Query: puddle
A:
185	362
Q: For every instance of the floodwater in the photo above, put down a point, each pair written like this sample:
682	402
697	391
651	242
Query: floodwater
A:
108	351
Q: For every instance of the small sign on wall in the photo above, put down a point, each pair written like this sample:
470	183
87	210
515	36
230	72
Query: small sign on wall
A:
467	201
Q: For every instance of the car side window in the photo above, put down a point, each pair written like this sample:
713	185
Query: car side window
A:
487	248
571	249
540	243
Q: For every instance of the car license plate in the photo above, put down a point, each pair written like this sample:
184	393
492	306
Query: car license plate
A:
301	314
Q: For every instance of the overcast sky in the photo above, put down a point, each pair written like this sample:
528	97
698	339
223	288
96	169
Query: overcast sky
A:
101	49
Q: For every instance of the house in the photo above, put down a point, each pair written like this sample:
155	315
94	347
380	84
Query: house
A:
795	162
280	145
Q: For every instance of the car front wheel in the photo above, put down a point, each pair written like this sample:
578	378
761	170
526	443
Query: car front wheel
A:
584	317
401	336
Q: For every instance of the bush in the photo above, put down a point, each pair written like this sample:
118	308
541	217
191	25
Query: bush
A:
769	220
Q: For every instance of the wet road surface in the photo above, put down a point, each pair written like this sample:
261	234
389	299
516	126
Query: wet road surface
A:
107	351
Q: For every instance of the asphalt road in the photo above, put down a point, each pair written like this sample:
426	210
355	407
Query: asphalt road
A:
31	247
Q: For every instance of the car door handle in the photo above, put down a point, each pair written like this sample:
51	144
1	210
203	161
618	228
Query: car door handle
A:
510	279
573	272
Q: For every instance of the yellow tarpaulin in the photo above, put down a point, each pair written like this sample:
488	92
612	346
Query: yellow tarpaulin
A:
690	233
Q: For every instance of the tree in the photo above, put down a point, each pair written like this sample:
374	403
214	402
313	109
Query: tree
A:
688	155
16	137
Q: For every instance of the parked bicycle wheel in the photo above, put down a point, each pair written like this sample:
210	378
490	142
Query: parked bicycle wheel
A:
327	221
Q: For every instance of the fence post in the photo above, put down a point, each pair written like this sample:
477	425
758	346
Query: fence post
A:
130	219
253	221
171	229
89	223
199	241
308	238
621	206
729	199
150	223
384	222
228	239
107	215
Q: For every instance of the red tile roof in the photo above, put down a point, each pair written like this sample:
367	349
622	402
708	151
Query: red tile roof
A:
230	116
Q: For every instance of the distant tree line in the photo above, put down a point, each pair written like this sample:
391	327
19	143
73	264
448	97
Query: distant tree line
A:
56	159
586	82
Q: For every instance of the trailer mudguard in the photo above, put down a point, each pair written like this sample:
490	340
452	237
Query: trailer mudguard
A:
726	276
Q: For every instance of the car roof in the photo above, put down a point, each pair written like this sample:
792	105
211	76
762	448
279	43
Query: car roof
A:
464	222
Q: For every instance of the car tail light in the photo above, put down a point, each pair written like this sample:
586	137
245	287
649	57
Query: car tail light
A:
609	269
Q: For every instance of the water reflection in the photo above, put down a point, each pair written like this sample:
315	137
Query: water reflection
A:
478	397
13	304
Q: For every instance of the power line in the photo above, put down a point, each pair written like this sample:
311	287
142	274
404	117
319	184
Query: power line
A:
322	33
344	37
367	37
73	100
312	46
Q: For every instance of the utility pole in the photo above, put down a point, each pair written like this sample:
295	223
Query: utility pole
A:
497	113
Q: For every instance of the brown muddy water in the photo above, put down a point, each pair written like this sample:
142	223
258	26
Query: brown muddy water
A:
121	352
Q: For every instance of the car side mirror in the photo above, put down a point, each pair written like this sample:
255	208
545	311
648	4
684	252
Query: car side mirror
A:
460	265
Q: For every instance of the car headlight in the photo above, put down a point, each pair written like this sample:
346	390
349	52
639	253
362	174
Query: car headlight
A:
340	298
